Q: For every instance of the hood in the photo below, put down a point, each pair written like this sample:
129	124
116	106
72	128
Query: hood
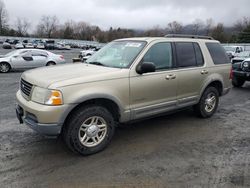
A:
64	75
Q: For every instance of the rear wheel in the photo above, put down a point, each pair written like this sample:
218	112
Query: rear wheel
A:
51	63
89	130
238	82
208	103
4	67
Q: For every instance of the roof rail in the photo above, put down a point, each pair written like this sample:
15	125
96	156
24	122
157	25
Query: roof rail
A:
189	36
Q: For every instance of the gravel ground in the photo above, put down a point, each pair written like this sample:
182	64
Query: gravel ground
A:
178	150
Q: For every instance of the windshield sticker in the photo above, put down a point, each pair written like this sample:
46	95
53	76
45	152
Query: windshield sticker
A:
133	44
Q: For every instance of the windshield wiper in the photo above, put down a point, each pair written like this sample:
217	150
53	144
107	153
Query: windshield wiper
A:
96	63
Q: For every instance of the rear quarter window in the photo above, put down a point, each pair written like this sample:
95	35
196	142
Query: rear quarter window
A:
217	53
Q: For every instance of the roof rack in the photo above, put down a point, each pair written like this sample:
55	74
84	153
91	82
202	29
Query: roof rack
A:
189	36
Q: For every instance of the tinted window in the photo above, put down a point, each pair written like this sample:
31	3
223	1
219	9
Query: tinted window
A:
198	54
217	53
185	54
39	53
161	55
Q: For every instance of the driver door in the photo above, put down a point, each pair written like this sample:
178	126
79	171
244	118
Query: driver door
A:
155	92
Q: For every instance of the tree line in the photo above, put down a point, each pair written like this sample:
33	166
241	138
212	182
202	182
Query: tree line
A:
50	27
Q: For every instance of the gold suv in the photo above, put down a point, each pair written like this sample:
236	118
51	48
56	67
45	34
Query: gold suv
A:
127	80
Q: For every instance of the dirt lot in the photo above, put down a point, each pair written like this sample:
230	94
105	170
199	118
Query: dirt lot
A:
179	150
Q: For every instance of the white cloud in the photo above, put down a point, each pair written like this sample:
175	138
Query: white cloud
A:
129	13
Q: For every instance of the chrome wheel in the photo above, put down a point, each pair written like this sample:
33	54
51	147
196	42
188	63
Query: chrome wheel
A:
92	131
210	102
4	67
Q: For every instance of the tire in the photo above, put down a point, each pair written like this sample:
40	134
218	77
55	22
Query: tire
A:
51	63
237	82
89	130
4	67
208	103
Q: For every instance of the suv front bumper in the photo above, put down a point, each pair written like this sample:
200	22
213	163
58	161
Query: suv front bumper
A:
46	120
242	74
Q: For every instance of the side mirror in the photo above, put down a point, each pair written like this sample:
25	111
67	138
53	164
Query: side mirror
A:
145	67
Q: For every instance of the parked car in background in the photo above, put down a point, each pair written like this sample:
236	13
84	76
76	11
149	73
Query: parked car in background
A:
29	45
6	45
88	52
19	46
232	51
62	46
29	58
241	57
40	45
49	44
25	42
241	72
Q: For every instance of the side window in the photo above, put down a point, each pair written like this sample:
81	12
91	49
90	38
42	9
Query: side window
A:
185	54
161	55
217	53
39	53
198	54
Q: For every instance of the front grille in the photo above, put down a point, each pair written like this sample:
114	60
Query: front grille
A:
25	87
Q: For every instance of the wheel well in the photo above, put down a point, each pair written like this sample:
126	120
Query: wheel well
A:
50	62
110	105
218	85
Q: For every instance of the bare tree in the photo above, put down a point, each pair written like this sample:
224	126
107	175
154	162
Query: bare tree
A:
197	26
47	26
175	27
218	33
22	26
209	26
3	17
242	24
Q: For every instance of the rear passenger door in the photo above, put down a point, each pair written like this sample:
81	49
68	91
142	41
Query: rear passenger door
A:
191	73
39	58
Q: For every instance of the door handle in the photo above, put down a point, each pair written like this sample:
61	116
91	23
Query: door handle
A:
170	76
204	72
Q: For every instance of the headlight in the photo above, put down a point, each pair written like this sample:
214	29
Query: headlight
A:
48	97
245	65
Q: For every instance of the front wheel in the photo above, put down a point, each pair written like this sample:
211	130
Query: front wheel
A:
237	82
208	103
89	130
4	67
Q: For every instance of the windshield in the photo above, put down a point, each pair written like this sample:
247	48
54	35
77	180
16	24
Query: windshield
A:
118	54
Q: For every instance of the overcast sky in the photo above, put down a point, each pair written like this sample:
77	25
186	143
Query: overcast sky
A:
138	14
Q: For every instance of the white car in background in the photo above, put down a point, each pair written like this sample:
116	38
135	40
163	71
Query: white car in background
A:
28	58
233	51
88	52
40	45
19	46
29	45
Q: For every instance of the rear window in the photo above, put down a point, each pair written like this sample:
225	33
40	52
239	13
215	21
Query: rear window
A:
217	53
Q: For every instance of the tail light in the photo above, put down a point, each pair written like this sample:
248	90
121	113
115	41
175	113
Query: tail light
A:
61	56
231	73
